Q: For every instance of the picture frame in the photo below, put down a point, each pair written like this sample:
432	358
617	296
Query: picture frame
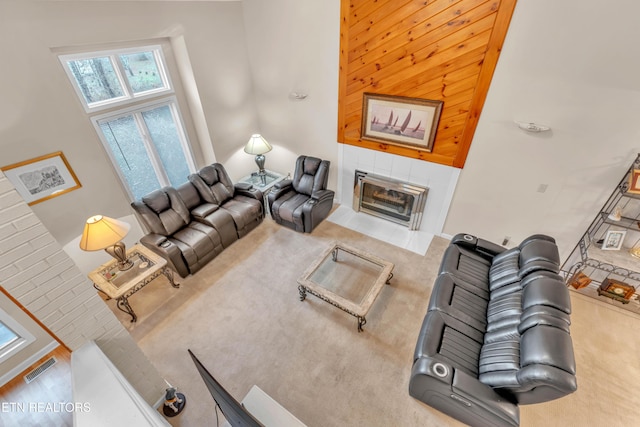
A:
613	240
634	182
42	178
399	120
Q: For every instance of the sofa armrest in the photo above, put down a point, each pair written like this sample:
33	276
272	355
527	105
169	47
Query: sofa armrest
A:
482	246
168	250
317	208
460	395
204	210
282	184
321	195
243	186
250	191
278	190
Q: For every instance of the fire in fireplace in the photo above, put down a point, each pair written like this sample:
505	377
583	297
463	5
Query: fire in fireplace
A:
388	198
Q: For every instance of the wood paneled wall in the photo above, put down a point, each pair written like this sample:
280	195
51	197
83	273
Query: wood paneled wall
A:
438	49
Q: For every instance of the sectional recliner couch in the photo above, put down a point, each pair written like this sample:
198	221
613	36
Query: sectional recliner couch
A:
496	332
191	224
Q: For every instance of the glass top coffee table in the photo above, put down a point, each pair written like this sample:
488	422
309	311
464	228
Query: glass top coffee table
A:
347	278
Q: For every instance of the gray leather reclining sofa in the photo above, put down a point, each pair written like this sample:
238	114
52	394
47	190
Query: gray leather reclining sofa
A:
496	332
193	223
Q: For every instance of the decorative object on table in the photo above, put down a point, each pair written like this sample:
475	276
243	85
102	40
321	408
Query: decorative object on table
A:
579	280
613	240
174	402
398	120
617	290
259	146
616	214
102	232
634	182
635	251
42	178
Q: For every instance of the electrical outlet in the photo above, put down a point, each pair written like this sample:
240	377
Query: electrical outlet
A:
506	240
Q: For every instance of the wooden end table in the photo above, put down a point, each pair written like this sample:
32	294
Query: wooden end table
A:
120	285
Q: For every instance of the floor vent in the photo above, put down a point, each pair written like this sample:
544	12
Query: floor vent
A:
39	370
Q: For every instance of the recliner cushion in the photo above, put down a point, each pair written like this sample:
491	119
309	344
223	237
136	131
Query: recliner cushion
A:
289	204
157	200
500	356
219	189
547	345
539	255
547	292
504	269
304	178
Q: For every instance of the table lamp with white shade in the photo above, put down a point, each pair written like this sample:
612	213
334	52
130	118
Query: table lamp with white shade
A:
259	146
102	232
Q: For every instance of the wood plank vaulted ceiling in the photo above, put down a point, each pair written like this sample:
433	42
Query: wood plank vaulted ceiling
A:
439	49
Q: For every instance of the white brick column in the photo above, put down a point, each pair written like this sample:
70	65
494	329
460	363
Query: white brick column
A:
40	275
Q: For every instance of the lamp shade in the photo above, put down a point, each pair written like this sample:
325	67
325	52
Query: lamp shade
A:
257	145
101	232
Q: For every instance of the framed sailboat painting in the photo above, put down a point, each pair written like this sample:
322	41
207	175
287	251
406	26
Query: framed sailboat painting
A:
399	120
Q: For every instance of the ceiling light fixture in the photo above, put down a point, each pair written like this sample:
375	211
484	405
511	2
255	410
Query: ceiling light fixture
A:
532	127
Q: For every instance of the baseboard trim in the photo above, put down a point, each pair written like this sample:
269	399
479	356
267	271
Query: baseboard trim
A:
24	365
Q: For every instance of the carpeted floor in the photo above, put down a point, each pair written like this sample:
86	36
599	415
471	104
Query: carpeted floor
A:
242	317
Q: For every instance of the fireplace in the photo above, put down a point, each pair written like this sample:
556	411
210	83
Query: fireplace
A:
390	199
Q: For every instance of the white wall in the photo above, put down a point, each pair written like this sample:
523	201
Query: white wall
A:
42	278
573	67
294	46
40	113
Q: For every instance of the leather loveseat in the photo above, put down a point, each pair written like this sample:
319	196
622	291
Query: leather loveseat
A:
496	332
193	223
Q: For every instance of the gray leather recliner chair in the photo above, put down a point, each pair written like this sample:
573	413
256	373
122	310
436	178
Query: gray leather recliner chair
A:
302	202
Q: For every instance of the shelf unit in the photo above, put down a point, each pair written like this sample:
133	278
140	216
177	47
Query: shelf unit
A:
592	262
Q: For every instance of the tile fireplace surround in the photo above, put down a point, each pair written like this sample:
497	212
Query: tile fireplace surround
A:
439	179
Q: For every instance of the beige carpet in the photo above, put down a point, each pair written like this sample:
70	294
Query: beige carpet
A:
242	317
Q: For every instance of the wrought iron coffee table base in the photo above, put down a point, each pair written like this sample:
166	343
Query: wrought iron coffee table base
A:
303	290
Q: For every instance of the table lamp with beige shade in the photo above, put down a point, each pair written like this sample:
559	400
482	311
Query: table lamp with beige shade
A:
102	232
259	146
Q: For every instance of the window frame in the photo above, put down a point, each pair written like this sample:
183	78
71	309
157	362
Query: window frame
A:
154	157
24	336
129	96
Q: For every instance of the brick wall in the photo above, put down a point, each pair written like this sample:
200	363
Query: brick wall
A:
40	275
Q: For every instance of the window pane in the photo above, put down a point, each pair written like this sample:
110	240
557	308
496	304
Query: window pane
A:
96	79
142	71
164	135
7	336
128	149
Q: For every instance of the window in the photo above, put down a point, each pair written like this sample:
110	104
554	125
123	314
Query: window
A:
148	146
108	78
142	132
13	336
